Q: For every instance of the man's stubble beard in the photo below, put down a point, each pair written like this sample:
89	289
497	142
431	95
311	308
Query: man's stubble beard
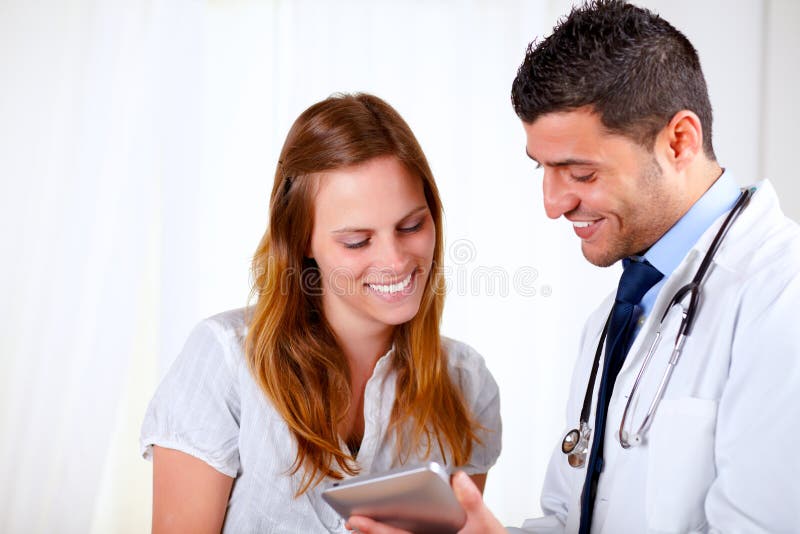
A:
652	219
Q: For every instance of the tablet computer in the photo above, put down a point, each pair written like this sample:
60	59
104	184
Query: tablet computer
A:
418	499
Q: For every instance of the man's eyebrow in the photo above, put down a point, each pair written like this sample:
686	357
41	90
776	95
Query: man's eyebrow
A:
570	161
561	163
538	165
353	229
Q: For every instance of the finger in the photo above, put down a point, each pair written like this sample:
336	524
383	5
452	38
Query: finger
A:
365	525
480	519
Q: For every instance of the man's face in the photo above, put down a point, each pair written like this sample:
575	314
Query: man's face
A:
610	188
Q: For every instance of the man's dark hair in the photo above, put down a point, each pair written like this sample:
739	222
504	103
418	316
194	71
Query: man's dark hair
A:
633	67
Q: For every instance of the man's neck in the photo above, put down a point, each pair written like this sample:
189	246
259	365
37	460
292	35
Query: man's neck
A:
700	180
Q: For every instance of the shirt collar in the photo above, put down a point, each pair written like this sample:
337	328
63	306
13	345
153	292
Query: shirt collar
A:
667	253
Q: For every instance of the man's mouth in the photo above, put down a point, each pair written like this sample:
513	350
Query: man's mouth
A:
586	229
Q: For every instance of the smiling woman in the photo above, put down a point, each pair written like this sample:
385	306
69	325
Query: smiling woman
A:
338	368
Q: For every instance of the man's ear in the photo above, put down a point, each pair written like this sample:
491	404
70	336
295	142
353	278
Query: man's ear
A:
683	138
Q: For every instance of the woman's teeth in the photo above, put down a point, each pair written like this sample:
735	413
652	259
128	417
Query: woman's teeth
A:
392	288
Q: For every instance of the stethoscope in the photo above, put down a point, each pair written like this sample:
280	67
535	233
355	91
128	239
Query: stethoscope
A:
576	442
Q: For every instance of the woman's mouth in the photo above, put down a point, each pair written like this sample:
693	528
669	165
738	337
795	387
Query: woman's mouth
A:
387	289
395	290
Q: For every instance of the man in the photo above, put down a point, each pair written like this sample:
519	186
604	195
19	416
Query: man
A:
616	112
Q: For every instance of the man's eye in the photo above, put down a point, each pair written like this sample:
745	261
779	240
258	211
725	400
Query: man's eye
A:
359	244
584	178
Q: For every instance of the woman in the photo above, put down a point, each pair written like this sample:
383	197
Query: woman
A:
338	368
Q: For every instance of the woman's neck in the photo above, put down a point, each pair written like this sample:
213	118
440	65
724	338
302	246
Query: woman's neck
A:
362	340
364	349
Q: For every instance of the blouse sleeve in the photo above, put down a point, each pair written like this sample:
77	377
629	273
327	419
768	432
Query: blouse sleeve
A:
196	407
483	398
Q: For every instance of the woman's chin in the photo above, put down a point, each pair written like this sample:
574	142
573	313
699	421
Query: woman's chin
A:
397	315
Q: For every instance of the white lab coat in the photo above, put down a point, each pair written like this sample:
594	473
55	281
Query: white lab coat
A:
722	454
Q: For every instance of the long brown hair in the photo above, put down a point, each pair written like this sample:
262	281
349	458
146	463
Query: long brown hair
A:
290	347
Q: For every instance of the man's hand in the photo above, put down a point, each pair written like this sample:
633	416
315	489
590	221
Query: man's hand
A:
479	519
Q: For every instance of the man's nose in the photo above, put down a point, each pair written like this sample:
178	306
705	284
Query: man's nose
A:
559	198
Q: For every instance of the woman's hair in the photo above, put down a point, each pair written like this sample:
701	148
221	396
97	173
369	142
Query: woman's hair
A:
290	347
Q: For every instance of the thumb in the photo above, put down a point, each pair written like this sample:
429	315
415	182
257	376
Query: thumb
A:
467	493
479	519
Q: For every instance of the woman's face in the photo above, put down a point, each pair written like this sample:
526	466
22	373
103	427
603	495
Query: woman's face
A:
373	241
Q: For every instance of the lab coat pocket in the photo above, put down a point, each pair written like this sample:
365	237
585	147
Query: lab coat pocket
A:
680	464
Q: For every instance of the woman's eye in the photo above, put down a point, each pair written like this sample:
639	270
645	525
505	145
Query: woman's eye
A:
359	244
411	229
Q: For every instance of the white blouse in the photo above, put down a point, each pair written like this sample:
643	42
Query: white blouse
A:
209	406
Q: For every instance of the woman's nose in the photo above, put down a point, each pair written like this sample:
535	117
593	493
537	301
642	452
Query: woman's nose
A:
392	256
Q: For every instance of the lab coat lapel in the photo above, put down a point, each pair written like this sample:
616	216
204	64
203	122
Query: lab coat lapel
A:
681	276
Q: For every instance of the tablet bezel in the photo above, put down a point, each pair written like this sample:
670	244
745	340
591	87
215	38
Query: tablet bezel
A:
418	499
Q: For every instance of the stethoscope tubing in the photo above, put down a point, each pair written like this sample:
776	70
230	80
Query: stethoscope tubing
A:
693	288
687	323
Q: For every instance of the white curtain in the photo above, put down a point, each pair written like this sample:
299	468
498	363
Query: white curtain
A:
80	209
137	147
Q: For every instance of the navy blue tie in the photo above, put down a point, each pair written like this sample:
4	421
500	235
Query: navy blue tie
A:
637	278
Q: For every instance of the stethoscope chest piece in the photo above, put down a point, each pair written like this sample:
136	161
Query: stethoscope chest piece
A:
570	441
576	445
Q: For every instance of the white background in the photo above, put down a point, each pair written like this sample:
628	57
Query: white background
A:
137	148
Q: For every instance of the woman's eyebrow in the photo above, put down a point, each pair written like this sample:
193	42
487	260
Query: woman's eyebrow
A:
413	212
353	229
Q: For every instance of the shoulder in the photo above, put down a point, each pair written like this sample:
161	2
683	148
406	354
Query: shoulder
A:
763	240
482	396
766	266
466	365
197	406
461	355
214	348
228	324
757	260
222	334
774	262
757	276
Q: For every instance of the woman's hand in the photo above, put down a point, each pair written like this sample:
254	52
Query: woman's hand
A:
480	519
